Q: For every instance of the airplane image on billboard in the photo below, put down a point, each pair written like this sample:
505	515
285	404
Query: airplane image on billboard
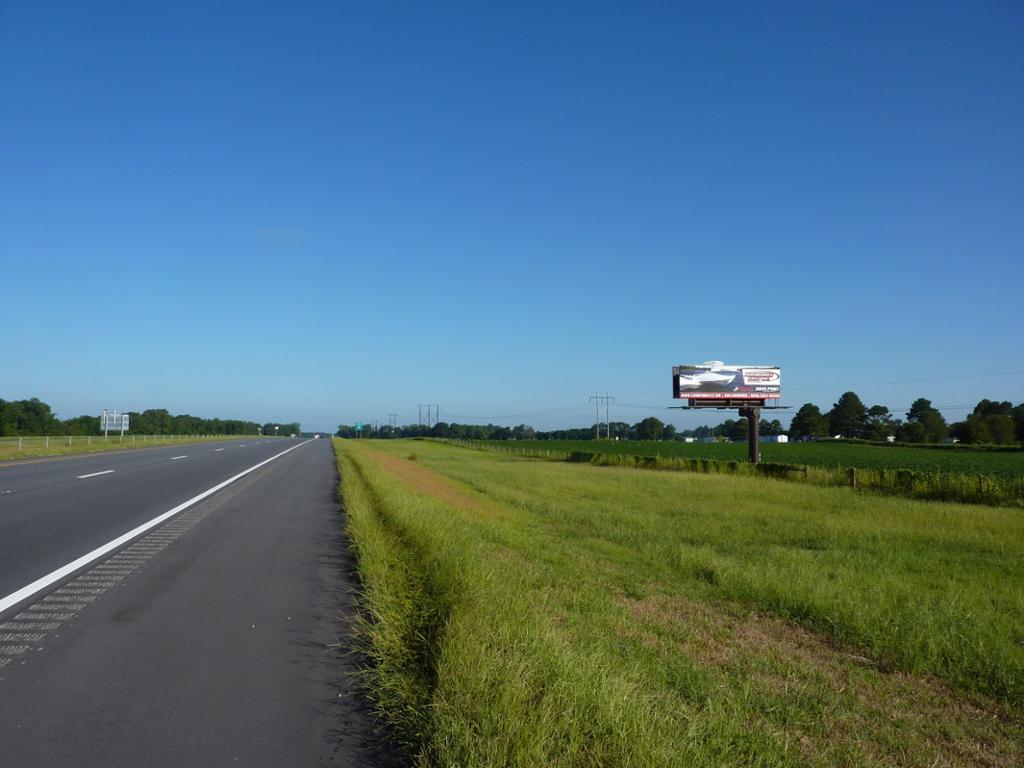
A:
714	380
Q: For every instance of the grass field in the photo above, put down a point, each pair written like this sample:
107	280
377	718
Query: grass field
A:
1002	463
12	448
528	613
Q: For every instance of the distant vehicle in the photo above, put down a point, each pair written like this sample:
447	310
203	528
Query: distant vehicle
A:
316	437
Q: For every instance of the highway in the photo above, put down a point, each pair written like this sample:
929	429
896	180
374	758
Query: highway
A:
181	605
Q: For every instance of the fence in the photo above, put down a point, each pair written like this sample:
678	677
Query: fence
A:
932	486
67	443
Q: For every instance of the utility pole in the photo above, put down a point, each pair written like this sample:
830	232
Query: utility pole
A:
597	400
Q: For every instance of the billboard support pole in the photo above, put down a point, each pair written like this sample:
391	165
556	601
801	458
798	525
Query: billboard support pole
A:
753	433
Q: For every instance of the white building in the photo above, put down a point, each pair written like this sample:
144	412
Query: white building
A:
774	438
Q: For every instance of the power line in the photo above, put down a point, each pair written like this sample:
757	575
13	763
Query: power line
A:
549	412
907	381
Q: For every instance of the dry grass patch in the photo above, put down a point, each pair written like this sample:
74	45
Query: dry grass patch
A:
865	707
423	480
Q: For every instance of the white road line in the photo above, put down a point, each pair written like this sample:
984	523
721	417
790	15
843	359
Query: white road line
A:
217	449
175	458
66	570
95	474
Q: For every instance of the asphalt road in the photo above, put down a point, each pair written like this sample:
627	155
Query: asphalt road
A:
219	637
52	511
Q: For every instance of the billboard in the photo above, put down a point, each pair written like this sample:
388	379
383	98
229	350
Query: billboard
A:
715	380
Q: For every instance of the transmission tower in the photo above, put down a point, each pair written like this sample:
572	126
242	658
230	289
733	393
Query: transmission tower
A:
432	410
607	400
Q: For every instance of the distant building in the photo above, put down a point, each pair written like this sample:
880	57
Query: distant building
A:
774	438
688	439
707	440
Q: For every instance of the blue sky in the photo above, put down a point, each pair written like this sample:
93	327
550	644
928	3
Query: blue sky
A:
331	212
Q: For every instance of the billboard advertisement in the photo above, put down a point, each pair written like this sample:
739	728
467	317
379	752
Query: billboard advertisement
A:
715	380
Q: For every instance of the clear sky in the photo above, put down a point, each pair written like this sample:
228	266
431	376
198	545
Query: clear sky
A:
335	211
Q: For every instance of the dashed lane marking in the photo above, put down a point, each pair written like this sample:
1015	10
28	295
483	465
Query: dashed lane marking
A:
94	474
34	621
63	572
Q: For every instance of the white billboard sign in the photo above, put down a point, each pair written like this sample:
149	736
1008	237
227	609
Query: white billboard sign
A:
715	380
113	420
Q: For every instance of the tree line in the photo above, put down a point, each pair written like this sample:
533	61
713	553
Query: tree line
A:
996	423
34	417
650	428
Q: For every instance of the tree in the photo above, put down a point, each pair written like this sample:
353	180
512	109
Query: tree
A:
911	432
879	423
523	432
619	430
1002	429
27	417
649	429
733	429
988	407
934	425
83	425
848	416
987	425
808	422
999	420
293	428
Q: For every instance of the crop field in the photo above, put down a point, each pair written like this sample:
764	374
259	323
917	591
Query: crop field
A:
1001	463
523	613
12	448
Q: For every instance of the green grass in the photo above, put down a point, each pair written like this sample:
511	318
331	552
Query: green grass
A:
868	469
528	613
1001	463
37	447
